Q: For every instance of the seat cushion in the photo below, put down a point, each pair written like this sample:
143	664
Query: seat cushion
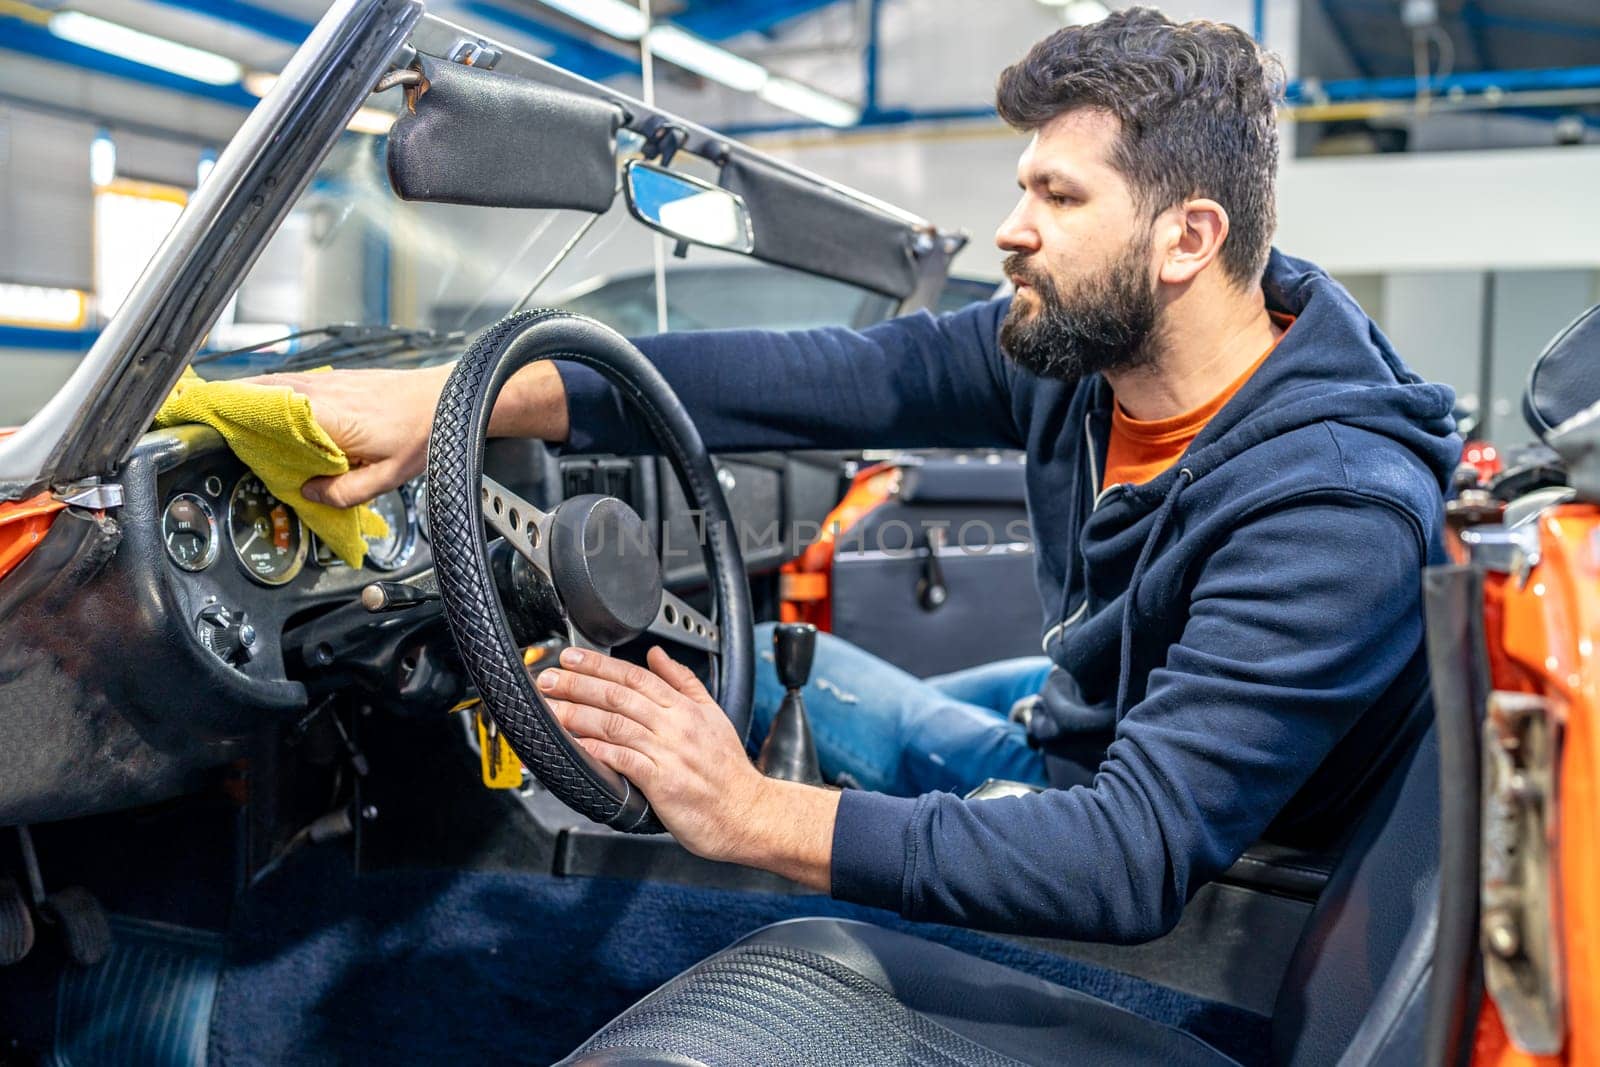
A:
1566	376
814	991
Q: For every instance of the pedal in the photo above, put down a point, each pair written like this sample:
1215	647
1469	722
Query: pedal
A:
85	929
16	923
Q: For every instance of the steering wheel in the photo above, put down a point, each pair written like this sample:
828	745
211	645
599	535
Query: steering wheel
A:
591	556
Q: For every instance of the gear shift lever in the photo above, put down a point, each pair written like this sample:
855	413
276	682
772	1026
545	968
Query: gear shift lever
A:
789	752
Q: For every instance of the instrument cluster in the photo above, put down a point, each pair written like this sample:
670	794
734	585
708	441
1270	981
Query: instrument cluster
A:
264	537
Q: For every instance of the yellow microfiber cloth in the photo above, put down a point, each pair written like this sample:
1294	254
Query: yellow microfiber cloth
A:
270	428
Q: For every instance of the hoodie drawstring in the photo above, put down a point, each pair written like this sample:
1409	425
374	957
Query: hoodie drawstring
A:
1158	526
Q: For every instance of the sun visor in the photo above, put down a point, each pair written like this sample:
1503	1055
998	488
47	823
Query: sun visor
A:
801	224
495	140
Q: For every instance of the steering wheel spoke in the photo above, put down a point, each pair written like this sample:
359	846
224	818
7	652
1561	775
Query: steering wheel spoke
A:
525	527
678	621
577	639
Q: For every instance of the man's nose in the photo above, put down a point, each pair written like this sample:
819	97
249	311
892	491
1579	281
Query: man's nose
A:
1016	234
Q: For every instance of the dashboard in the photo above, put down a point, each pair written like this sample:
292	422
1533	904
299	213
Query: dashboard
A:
244	567
145	648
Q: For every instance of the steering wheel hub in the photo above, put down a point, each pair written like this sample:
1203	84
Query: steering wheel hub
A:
604	565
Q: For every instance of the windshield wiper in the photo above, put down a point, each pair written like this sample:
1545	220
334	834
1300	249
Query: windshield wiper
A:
346	342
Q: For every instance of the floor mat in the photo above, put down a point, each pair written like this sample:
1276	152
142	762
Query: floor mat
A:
431	967
148	1002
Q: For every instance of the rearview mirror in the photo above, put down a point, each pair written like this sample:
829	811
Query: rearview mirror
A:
687	208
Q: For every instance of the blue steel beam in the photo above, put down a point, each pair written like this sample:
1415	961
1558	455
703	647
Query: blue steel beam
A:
733	17
871	56
582	57
570	51
1475	82
32	40
72	342
267	23
890	117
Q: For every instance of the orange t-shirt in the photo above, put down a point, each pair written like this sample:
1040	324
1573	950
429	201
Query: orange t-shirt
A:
1141	449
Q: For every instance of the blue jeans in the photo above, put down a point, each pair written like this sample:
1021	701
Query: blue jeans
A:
896	733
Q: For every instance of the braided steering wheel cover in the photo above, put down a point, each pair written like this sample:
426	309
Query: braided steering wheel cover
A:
471	604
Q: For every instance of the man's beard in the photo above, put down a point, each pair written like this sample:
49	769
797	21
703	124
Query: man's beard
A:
1107	323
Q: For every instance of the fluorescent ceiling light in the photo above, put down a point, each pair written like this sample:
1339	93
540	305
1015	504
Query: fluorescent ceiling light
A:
804	100
1083	12
615	17
37	305
145	48
102	160
373	120
705	59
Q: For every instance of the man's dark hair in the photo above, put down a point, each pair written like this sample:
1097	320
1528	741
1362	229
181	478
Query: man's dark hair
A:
1197	105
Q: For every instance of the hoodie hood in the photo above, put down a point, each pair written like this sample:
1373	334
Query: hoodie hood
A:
1333	365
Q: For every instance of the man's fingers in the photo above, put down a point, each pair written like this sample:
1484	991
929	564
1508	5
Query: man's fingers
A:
582	720
608	696
356	487
678	676
611	669
292	380
633	765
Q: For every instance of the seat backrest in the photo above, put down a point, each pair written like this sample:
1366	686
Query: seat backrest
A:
1356	989
1566	377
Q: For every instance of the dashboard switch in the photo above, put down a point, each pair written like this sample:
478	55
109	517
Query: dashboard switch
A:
229	635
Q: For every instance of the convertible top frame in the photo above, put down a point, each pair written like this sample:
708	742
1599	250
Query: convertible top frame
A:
90	426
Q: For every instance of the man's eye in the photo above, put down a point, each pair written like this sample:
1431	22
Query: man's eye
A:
1058	199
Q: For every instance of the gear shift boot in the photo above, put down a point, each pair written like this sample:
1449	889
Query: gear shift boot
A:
789	752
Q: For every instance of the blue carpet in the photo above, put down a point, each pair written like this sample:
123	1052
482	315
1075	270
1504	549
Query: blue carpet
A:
423	967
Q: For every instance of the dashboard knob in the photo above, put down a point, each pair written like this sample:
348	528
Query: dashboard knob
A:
229	635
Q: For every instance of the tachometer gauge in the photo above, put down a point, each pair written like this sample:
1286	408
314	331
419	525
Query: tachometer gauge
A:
394	549
265	533
189	530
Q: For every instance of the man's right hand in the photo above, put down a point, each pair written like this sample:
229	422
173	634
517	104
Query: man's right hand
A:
382	418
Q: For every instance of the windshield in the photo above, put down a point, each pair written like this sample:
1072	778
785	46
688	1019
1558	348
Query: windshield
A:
353	253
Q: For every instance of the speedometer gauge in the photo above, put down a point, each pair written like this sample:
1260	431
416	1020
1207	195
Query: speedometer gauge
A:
394	549
265	533
189	531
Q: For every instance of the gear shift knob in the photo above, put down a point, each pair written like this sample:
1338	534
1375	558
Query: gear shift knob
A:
793	646
789	752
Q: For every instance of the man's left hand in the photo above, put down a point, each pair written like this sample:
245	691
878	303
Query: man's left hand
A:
661	730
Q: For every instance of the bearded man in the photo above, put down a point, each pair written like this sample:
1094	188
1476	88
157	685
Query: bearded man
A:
1233	481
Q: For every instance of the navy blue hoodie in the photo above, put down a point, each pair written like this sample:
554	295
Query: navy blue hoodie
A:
1245	629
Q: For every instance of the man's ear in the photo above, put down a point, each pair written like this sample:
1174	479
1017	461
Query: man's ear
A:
1200	227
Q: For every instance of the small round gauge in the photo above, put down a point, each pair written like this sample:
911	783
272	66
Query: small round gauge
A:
189	530
393	550
265	533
